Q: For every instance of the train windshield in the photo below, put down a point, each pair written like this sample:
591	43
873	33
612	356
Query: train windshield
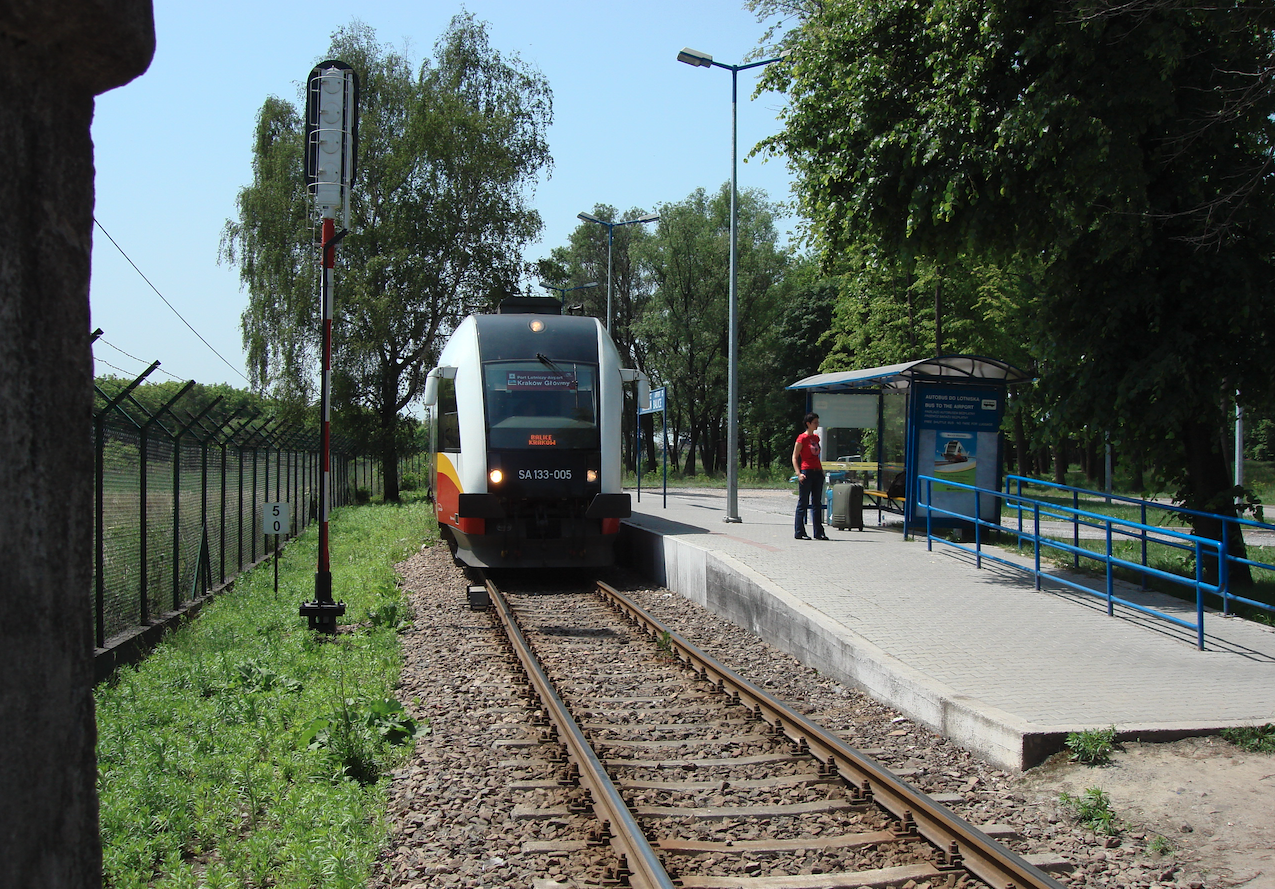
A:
541	403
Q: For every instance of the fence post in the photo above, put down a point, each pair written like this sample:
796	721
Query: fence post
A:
221	524
99	422
223	438
144	490
1035	532
1111	580
1199	597
1075	528
978	527
239	513
177	469
1224	563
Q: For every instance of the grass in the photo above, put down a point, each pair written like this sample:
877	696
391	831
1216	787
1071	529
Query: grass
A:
1256	739
247	751
1171	560
771	477
1260	480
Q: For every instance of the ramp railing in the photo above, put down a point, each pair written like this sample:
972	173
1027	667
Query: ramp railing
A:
1034	517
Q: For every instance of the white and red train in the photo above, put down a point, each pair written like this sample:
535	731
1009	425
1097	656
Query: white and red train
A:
524	410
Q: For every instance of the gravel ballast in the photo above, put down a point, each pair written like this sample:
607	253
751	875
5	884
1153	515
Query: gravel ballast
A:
452	806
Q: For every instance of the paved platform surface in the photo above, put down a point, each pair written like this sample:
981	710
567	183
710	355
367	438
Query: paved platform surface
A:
978	654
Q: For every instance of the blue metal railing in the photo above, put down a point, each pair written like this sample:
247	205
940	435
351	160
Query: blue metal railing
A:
1112	527
1230	525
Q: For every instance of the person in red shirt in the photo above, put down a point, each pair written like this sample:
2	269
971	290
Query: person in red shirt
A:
807	463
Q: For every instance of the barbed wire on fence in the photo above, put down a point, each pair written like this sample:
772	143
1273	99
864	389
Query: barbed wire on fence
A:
177	489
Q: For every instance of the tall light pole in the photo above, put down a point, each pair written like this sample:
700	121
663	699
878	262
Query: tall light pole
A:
611	227
697	59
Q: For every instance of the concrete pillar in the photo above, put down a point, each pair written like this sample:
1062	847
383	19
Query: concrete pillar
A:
55	56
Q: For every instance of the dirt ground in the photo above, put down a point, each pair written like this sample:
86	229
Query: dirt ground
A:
1213	803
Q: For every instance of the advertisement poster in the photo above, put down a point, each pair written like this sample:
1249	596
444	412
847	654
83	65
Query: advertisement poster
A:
957	442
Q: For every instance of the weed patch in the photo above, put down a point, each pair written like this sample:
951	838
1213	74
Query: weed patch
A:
1092	809
1092	747
1259	739
215	767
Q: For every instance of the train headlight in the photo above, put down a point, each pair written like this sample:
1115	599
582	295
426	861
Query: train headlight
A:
496	476
536	326
591	476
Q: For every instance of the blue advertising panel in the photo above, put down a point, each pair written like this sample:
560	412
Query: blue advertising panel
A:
955	432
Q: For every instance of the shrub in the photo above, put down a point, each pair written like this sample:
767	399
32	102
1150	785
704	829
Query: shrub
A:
1093	746
1093	810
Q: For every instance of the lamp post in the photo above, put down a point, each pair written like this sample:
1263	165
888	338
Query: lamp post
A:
611	227
697	59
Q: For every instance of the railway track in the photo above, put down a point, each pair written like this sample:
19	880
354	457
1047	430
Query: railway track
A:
697	778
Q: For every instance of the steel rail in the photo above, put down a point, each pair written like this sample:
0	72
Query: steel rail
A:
960	843
646	871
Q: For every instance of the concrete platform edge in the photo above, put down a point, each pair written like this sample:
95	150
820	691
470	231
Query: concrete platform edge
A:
734	591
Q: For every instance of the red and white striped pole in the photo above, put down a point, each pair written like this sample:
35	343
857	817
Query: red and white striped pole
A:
331	140
323	576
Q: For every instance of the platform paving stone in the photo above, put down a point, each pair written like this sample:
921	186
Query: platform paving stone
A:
1030	661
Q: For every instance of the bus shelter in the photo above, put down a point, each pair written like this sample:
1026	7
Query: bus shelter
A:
940	417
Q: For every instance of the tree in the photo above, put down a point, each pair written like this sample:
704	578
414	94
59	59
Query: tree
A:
685	325
792	346
1122	149
588	258
448	157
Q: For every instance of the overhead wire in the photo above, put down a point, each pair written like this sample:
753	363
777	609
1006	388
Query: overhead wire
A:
167	303
106	342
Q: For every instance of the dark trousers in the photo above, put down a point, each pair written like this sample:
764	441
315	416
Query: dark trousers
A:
810	496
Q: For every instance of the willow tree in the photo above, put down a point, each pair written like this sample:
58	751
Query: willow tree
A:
449	153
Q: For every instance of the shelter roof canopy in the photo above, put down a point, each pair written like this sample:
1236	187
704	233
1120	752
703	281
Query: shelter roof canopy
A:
898	377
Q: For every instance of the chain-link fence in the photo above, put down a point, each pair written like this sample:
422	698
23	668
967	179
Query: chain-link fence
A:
179	501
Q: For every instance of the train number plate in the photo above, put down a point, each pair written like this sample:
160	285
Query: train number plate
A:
545	475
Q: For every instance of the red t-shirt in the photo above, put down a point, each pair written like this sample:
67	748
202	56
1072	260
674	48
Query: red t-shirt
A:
809	442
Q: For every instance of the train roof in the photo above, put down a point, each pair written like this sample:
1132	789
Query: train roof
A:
558	337
530	305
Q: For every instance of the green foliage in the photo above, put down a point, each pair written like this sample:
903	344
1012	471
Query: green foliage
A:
205	776
1093	810
686	323
793	346
353	735
151	398
1114	158
1258	739
390	614
256	676
1092	747
448	158
1160	845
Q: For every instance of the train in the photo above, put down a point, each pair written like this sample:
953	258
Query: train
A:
524	411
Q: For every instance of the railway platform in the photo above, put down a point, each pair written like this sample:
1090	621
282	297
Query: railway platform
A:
978	655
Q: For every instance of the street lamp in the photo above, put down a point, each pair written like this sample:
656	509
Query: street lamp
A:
611	227
563	291
697	59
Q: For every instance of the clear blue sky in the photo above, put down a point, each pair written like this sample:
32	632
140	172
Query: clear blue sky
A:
632	128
